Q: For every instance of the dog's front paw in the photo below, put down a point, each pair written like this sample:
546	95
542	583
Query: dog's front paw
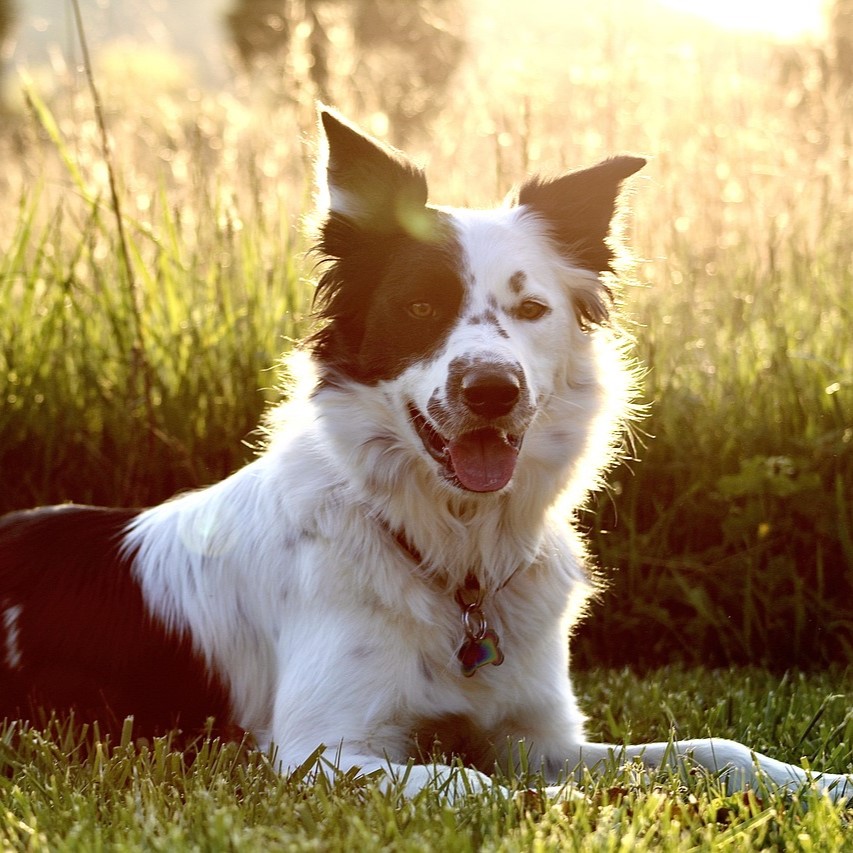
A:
538	801
838	788
451	783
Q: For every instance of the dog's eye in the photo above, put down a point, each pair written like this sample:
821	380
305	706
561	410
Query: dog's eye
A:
421	310
531	309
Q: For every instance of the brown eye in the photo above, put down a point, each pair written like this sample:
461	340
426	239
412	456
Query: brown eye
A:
421	310
531	309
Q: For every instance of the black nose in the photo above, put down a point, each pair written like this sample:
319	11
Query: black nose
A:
490	392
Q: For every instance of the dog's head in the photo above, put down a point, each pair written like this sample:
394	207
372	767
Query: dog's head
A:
475	324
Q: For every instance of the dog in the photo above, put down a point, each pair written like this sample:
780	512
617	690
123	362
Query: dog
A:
396	575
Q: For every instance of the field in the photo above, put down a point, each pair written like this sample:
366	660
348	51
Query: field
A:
137	360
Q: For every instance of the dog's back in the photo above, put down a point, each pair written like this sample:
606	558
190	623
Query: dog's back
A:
75	634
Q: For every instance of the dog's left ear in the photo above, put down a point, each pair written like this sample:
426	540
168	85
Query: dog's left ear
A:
579	208
370	185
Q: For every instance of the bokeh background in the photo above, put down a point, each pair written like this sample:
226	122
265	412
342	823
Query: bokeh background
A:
140	328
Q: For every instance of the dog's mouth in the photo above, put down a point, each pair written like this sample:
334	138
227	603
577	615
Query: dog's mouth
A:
481	460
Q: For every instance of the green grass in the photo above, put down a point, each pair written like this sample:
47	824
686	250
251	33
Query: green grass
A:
55	794
173	395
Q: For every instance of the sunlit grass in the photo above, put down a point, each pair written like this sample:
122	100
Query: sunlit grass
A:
59	793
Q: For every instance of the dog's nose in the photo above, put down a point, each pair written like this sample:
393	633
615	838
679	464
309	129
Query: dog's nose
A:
490	392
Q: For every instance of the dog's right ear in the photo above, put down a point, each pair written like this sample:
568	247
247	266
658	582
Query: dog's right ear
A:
371	185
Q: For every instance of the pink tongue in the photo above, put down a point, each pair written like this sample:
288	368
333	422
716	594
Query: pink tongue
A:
483	460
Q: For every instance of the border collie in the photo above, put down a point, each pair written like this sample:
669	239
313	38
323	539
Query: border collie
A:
396	575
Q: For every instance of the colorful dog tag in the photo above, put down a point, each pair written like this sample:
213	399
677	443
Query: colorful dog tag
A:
480	651
481	642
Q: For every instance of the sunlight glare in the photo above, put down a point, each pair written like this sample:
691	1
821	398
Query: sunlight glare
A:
785	20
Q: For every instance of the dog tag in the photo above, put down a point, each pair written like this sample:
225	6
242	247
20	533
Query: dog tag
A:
480	651
481	646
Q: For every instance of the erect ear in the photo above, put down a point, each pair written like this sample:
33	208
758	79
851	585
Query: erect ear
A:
371	185
579	207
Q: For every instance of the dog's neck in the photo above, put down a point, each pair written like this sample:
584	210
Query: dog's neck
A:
480	644
445	548
448	578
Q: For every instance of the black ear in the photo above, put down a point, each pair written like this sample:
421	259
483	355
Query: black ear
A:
373	186
579	207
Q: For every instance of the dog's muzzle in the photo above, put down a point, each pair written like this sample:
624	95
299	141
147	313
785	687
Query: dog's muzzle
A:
482	455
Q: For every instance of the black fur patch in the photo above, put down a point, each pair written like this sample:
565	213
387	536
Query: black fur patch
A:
387	251
366	294
383	185
77	634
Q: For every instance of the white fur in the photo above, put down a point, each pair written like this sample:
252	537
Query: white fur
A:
289	582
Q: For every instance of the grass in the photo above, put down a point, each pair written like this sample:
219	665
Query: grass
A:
57	794
172	395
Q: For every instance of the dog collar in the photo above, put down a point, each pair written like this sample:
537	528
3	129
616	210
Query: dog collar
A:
481	645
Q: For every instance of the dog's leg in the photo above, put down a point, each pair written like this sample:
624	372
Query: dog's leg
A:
452	783
738	765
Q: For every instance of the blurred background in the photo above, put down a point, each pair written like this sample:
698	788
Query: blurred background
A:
148	283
